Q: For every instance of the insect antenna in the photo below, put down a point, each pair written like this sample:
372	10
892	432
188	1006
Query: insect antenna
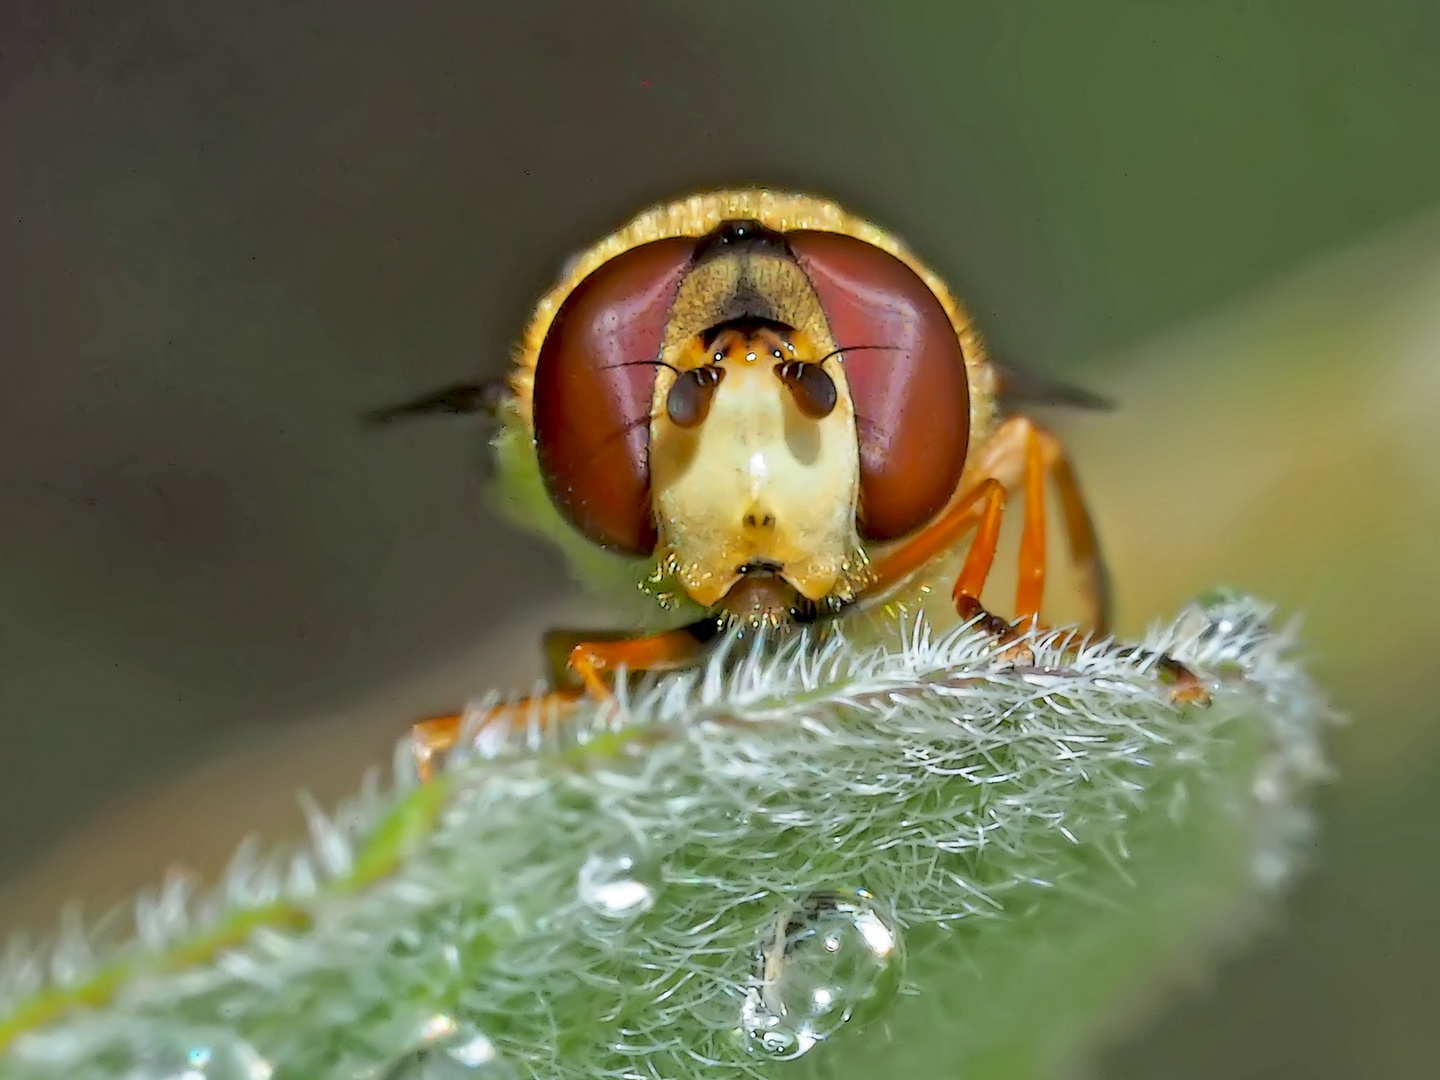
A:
643	363
854	348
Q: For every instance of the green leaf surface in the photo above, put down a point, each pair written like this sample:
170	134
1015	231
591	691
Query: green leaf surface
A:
921	856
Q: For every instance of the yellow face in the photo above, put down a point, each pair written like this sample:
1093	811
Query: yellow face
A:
758	487
754	459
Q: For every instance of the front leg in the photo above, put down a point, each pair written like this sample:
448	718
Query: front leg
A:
1020	457
1017	459
578	661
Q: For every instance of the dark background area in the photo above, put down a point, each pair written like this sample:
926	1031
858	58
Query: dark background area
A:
229	228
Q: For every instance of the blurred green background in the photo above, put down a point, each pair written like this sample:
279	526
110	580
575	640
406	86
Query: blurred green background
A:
231	227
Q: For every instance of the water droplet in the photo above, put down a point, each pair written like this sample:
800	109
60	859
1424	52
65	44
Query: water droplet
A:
828	960
618	885
203	1059
450	1049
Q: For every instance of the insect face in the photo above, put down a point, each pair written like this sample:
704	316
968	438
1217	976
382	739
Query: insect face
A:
749	406
754	461
761	481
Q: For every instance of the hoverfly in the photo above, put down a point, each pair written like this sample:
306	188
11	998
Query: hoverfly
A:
753	407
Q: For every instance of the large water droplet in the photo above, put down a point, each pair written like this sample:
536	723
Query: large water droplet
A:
450	1049
618	884
828	960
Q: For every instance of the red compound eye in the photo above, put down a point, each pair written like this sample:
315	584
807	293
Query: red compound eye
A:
912	399
594	384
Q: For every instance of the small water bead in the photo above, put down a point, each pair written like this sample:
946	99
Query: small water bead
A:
450	1049
209	1059
618	884
829	960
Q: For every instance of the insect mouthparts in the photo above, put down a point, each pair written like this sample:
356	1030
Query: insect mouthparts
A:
760	598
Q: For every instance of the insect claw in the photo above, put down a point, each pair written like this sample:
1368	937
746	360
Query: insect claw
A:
1020	654
1009	637
1019	651
1186	687
430	741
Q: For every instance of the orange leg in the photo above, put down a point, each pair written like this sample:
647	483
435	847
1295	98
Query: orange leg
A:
944	533
1022	454
587	658
981	557
654	652
1030	588
970	582
1084	544
1019	456
433	738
